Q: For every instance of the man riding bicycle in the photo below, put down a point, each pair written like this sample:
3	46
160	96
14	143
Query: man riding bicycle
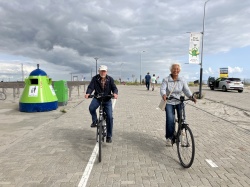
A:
102	84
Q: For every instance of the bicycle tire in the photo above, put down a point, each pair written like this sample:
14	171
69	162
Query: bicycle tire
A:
2	96
100	140
186	147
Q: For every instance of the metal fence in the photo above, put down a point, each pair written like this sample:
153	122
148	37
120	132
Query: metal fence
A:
246	81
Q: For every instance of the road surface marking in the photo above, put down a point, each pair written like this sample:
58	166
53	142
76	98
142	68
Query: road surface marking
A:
87	171
89	167
211	163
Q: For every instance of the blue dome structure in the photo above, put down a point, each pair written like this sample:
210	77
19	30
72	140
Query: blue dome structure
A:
38	72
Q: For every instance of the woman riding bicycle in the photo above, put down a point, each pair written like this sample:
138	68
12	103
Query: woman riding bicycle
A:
173	85
102	84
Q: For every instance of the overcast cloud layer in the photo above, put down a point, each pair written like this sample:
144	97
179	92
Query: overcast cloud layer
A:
65	36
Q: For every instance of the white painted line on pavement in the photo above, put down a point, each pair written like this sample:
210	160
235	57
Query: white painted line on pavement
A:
87	171
211	163
113	104
89	167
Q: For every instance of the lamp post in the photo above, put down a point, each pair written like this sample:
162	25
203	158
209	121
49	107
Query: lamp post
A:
140	64
201	69
96	64
22	71
121	73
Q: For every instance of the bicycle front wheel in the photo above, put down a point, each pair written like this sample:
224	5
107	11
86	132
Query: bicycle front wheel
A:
99	126
186	147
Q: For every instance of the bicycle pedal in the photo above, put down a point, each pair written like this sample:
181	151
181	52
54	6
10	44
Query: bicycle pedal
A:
173	142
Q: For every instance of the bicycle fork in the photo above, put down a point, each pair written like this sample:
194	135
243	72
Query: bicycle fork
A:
180	133
101	123
184	136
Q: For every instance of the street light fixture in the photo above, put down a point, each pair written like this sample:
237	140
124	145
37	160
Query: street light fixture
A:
96	64
140	64
201	69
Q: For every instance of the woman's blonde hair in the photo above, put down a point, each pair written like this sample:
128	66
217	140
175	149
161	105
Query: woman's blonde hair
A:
174	64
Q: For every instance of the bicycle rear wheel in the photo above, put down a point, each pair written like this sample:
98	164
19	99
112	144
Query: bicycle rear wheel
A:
186	147
2	96
100	140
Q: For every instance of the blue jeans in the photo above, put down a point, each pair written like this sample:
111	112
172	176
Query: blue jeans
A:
107	107
147	85
170	119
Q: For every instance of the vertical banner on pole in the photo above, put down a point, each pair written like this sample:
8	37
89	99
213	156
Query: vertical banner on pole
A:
194	48
223	72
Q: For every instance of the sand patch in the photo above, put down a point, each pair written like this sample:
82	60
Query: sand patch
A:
234	115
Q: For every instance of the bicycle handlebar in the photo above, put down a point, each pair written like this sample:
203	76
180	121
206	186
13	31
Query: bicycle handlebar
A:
182	98
101	96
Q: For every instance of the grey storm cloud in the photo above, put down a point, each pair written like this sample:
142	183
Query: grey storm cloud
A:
70	33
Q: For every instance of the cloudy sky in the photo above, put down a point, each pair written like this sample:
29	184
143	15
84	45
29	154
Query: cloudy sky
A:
128	36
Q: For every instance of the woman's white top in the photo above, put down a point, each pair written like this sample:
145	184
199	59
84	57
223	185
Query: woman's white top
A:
181	86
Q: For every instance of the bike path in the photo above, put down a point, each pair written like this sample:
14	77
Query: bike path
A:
138	155
57	153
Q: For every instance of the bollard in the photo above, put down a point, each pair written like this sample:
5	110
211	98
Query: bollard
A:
18	92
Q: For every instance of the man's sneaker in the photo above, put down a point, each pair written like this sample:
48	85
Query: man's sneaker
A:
168	143
94	124
109	140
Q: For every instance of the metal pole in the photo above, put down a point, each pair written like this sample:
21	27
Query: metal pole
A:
201	69
140	67
22	71
140	64
96	64
121	73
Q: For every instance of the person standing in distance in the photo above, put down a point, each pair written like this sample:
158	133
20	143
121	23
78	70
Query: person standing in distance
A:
147	80
175	85
153	81
102	84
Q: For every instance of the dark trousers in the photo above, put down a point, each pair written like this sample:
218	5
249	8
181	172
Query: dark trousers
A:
107	107
147	85
170	119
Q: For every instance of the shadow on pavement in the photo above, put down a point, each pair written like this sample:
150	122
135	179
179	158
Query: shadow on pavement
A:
153	147
81	141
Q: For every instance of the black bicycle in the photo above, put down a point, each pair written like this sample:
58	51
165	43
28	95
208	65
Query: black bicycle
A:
2	96
183	136
101	131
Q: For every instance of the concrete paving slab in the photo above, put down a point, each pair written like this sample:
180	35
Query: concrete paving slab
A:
55	151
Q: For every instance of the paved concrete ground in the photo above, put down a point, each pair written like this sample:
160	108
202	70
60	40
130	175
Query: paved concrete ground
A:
56	150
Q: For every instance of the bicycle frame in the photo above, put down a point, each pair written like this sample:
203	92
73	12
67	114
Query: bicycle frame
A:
184	138
101	131
100	122
181	122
